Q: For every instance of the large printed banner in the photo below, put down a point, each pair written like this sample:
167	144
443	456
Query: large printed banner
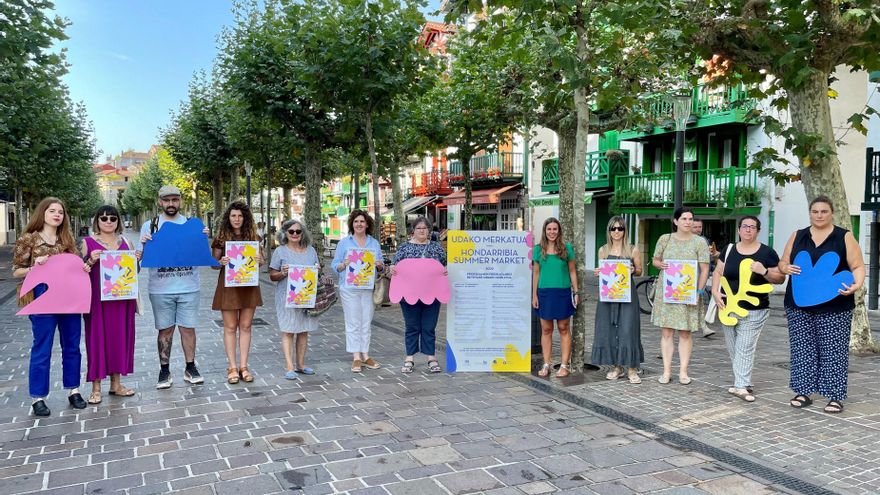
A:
488	320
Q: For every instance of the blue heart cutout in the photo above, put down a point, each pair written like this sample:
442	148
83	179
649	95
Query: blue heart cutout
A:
818	283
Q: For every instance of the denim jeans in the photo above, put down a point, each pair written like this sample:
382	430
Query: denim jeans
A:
421	323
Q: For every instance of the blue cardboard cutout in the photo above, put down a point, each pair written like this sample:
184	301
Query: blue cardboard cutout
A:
818	283
178	245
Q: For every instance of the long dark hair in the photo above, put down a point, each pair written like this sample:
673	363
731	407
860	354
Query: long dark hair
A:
227	232
38	219
558	244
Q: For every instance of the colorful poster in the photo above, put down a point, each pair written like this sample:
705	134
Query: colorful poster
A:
488	320
119	278
243	269
361	269
615	281
680	282
302	286
69	288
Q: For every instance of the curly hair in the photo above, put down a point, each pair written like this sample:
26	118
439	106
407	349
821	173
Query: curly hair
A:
248	231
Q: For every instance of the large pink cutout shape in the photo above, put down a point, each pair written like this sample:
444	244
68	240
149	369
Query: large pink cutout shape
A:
419	279
69	292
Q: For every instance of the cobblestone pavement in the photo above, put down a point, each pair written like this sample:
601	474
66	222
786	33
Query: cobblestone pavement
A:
385	432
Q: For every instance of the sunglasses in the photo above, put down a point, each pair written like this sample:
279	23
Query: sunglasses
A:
617	229
294	231
105	218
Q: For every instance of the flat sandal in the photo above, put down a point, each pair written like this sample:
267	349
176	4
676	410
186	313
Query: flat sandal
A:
246	374
232	376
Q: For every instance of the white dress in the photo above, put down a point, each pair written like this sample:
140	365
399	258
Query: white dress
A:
292	320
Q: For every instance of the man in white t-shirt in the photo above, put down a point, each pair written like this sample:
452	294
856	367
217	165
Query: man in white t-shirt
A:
174	295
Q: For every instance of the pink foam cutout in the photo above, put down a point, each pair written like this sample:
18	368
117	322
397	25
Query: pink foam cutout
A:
70	289
419	279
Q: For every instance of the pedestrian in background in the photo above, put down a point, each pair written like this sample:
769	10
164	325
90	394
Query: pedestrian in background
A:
237	304
554	293
294	248
819	335
742	338
109	324
357	303
47	234
420	318
681	244
618	339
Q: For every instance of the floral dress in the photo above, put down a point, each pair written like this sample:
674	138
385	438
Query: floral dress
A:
677	316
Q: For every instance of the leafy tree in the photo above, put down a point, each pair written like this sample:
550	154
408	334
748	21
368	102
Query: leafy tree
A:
800	45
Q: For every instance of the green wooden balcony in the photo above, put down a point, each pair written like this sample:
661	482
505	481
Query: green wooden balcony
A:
709	106
599	171
705	190
494	167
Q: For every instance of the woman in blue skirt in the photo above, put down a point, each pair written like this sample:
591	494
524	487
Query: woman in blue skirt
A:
554	292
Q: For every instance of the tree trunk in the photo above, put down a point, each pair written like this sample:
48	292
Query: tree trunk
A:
19	212
397	195
217	184
312	207
567	144
374	171
286	199
811	113
234	186
356	190
198	204
465	156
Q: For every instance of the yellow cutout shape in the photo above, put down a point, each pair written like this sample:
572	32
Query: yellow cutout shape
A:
734	300
513	360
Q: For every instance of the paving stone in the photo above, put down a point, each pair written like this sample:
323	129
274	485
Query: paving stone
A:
21	484
76	476
519	473
611	488
254	485
562	465
468	481
436	455
304	477
734	485
137	465
114	484
416	487
359	468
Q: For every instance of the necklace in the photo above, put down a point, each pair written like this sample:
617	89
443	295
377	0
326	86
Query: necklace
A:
110	245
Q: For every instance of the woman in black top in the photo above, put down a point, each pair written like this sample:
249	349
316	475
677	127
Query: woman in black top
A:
742	338
819	334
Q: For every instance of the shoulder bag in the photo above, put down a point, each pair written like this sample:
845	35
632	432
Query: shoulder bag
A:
712	307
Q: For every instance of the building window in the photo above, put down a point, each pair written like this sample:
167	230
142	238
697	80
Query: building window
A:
508	221
509	203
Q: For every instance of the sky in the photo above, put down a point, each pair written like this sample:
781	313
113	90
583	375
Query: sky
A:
131	61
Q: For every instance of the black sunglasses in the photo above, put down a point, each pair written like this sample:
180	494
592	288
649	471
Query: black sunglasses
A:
617	229
294	231
105	218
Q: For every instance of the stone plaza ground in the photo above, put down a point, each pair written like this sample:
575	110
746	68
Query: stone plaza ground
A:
383	432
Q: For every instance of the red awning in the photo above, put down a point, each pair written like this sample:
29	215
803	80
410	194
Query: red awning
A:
479	196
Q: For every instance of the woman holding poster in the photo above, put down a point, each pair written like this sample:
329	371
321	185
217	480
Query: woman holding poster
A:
554	292
675	304
294	249
742	268
358	259
237	304
618	338
46	234
826	268
110	324
420	317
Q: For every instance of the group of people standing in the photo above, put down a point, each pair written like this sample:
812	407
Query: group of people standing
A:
818	334
174	294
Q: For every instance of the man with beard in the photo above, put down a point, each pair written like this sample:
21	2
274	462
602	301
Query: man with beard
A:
174	295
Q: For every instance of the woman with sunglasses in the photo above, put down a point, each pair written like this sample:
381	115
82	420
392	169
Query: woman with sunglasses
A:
742	338
618	338
237	304
294	248
554	292
110	324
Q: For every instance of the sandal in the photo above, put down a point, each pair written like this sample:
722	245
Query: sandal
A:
800	401
246	374
356	366
232	376
664	379
544	371
95	397
615	373
742	394
684	380
834	407
563	371
434	366
122	391
407	367
633	376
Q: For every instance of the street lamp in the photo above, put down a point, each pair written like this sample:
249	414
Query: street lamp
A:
248	168
681	110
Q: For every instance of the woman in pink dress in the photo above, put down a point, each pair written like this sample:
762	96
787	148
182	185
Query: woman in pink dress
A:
110	324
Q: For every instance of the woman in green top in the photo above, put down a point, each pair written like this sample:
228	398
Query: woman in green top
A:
554	292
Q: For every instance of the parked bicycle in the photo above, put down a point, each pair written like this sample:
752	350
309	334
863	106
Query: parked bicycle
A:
645	291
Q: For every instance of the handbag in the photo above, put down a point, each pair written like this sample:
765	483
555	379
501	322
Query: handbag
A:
712	307
325	297
380	290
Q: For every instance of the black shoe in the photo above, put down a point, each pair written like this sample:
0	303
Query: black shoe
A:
164	379
76	400
192	375
40	408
